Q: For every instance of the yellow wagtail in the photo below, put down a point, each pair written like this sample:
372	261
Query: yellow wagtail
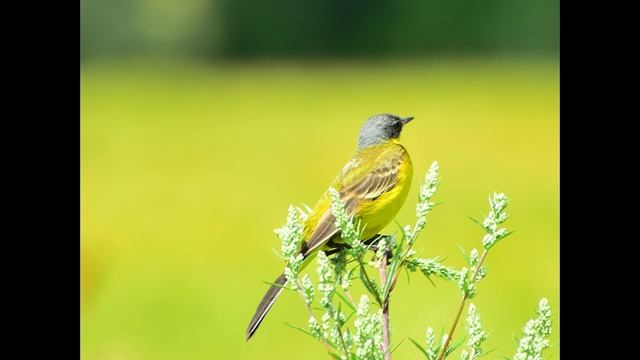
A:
373	185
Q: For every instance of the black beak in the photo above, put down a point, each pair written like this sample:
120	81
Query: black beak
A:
406	120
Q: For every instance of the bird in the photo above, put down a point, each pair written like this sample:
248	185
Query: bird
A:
373	185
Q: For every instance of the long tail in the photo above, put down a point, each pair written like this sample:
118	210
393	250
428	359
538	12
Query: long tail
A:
265	304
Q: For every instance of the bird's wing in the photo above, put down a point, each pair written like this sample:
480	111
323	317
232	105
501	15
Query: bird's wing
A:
364	178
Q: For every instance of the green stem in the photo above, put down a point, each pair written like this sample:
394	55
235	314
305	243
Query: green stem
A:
369	284
460	308
386	345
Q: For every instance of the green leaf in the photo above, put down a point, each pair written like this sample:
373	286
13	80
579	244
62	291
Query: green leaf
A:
370	285
399	227
347	318
487	353
454	346
430	280
346	301
395	263
278	285
464	254
397	346
336	317
477	222
419	347
300	329
278	254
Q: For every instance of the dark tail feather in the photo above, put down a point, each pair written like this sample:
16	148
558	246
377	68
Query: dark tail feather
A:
264	306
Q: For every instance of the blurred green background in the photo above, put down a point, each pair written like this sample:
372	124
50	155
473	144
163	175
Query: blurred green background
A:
201	121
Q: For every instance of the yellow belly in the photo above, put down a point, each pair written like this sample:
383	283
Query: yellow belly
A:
378	213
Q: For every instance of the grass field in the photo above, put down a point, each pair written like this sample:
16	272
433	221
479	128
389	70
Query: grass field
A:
187	168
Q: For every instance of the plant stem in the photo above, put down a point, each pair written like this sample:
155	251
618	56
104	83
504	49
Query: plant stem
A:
323	341
453	328
460	308
386	345
348	293
369	282
344	345
403	257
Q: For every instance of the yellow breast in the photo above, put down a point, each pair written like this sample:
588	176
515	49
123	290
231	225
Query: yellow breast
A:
377	213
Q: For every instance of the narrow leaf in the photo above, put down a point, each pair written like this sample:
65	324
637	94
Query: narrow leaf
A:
419	347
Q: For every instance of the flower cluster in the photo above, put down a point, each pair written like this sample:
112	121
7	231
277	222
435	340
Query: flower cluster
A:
350	233
427	190
291	237
431	267
433	347
497	215
535	334
368	335
466	284
365	341
407	256
307	289
476	335
326	280
468	278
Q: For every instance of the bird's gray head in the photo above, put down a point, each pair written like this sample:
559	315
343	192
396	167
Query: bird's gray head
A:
380	128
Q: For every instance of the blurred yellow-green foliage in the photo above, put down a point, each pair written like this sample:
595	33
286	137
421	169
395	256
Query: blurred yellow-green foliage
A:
186	168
